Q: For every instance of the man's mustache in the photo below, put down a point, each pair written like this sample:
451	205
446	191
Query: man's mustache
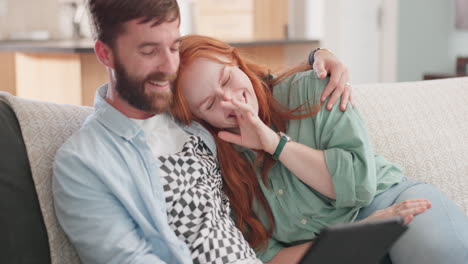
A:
160	76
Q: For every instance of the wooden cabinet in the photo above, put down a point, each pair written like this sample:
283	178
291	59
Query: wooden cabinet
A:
270	19
69	78
228	20
241	20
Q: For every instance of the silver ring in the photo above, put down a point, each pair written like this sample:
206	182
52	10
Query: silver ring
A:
348	84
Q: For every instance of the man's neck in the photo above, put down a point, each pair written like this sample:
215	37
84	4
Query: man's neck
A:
122	106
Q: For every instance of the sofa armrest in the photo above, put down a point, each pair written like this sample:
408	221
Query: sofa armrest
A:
24	236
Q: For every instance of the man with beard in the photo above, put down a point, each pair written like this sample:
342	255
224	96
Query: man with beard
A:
109	195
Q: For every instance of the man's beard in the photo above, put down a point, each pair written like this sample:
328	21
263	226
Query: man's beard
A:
132	89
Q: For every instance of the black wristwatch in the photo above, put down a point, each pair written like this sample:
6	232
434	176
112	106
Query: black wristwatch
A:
312	55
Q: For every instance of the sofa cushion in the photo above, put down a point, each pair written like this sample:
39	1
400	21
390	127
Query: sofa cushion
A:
423	127
45	126
24	237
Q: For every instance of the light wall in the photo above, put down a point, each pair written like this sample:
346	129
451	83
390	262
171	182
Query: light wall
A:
29	15
38	15
350	30
428	41
459	44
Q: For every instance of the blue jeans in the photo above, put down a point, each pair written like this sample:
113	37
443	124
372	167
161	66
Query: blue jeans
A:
439	235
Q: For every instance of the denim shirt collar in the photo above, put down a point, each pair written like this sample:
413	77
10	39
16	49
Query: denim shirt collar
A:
123	126
113	119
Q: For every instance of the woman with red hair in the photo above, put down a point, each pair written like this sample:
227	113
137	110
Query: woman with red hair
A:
284	188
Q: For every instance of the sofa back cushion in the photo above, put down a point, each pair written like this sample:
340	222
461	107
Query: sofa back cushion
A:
422	126
24	236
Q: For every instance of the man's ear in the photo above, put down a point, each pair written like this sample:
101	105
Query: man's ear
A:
104	54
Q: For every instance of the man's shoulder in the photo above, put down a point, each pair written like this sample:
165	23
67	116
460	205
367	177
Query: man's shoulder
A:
83	141
91	154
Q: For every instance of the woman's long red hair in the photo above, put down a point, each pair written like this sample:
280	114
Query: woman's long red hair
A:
240	179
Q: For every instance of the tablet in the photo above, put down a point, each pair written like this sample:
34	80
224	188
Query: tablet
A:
363	242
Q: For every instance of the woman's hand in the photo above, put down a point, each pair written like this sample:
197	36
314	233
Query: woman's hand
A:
253	133
306	163
406	209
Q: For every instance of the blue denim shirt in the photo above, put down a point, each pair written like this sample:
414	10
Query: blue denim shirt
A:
108	195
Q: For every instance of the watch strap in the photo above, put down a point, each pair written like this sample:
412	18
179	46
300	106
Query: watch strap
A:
283	140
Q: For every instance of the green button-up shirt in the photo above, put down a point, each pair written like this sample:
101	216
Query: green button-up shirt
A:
358	174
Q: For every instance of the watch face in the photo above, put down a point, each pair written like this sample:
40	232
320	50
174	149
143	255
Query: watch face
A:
282	134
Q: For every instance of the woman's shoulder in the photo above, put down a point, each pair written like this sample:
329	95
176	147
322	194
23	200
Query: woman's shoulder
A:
297	77
299	88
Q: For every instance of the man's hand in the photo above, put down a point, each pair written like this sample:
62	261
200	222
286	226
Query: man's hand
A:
326	63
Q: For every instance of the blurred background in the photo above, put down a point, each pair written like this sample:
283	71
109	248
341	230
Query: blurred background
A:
378	40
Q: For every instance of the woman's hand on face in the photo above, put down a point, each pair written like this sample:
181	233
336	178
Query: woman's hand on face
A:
326	63
253	133
406	209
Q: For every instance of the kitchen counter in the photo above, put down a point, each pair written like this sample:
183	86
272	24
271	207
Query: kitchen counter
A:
49	46
68	72
87	45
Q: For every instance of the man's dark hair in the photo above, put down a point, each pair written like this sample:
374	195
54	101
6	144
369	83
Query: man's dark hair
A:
108	16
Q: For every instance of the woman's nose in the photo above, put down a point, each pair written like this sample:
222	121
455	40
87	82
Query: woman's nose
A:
229	94
225	94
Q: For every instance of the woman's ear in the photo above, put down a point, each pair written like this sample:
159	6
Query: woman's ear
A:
104	54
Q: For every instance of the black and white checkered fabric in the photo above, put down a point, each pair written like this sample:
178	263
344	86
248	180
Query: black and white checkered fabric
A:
198	210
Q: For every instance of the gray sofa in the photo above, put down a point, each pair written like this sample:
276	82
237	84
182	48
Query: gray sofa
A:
422	125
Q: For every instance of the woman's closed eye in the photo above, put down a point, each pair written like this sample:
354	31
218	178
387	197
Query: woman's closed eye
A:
227	80
211	103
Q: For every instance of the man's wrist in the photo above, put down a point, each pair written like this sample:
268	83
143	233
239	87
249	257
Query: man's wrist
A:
312	55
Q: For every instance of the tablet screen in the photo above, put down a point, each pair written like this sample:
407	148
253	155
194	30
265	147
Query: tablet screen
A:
362	242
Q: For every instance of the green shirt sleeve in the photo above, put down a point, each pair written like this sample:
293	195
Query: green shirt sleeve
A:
348	155
341	135
269	251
